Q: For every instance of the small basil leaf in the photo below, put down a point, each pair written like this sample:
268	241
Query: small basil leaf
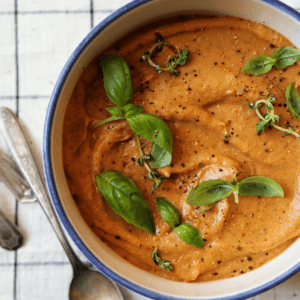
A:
293	100
159	157
117	79
125	199
168	212
116	111
153	129
131	110
285	56
189	235
209	192
259	65
260	186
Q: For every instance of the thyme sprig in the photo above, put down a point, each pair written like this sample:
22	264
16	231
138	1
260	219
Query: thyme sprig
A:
269	118
143	161
173	62
164	264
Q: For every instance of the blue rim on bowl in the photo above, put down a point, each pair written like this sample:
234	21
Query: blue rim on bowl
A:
51	180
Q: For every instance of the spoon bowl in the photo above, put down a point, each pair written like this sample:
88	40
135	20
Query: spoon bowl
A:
89	284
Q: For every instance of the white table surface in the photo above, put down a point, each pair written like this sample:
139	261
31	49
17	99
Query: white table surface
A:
37	37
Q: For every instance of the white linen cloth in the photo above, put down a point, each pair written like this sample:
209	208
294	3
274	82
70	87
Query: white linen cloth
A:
37	37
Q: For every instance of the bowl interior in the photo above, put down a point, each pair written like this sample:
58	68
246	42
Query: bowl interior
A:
126	19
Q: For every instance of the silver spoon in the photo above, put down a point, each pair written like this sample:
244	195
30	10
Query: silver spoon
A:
87	284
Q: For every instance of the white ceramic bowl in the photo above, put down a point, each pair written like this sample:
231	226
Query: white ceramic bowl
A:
135	14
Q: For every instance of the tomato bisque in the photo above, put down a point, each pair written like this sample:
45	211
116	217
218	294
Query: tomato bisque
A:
203	97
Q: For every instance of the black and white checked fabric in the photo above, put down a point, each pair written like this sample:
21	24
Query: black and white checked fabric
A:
36	39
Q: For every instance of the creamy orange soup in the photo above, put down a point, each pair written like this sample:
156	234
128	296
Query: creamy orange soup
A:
208	100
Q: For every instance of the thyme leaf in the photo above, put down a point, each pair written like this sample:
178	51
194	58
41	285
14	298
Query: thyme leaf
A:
164	264
143	158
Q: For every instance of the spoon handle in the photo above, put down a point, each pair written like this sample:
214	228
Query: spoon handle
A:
10	175
22	154
10	237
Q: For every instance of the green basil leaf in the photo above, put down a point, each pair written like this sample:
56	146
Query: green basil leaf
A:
260	186
116	111
125	199
189	235
293	100
285	56
117	79
131	110
259	65
160	157
168	212
209	192
153	129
